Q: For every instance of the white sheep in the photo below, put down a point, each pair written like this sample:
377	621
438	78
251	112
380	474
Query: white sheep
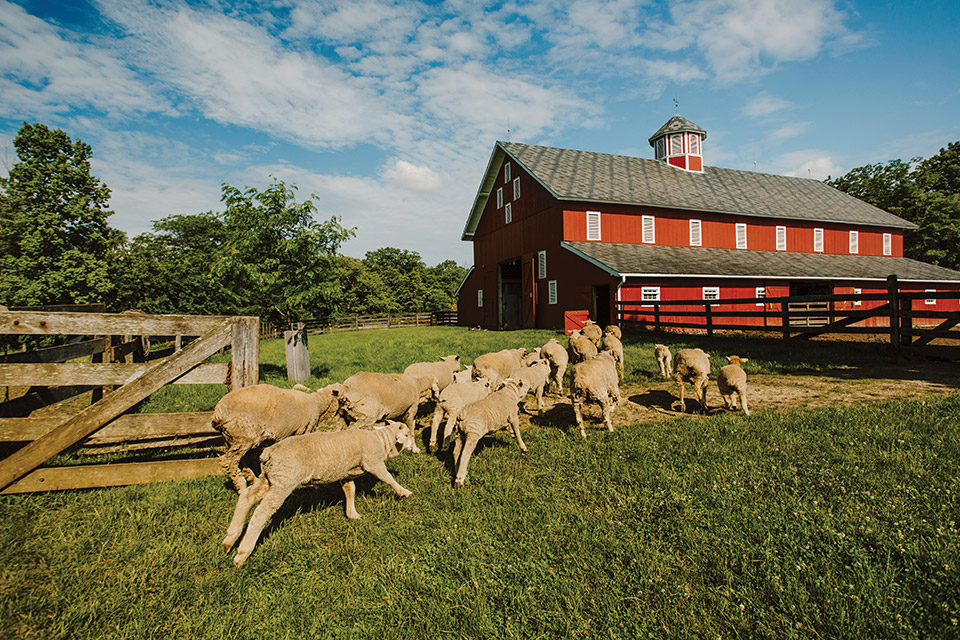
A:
595	380
251	416
315	458
451	402
664	359
693	366
530	358
557	356
497	411
612	344
732	382
466	375
537	377
367	397
499	365
443	370
614	330
581	347
593	331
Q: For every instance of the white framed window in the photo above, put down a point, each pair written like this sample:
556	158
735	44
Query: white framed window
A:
648	230
781	238
479	297
888	244
818	240
516	188
649	294
857	291
593	225
711	293
676	144
661	148
854	242
696	238
741	235
761	293
499	197
930	300
506	172
541	265
508	213
552	291
694	144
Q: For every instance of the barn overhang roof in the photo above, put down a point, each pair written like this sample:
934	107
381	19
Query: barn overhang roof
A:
640	260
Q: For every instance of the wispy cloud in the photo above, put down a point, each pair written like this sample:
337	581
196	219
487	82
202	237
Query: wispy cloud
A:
764	104
809	164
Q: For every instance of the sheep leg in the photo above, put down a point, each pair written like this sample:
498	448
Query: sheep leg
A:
379	469
701	392
539	401
248	497
434	427
457	448
349	492
230	464
468	446
681	403
410	420
606	403
578	414
743	401
276	495
448	429
515	426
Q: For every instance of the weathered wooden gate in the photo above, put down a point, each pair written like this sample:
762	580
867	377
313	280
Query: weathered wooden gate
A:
105	419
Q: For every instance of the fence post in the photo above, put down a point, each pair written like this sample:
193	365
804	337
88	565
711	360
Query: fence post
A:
894	298
245	352
656	316
298	353
709	318
785	318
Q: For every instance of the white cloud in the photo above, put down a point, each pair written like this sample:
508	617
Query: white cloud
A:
413	177
790	130
809	164
763	104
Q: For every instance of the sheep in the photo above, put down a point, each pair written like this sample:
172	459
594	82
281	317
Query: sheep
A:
443	370
498	410
595	380
537	377
314	458
499	365
466	375
612	344
592	331
530	358
452	400
251	416
367	398
614	330
665	359
557	356
732	382
581	347
693	366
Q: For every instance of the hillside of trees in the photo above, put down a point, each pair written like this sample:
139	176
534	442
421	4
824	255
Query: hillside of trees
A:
264	254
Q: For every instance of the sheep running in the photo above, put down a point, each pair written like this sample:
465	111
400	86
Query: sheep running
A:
664	359
315	458
443	370
537	377
593	332
693	366
367	397
732	383
451	402
581	347
557	356
499	365
612	344
595	380
251	416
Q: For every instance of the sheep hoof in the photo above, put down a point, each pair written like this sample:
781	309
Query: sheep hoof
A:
457	483
239	559
405	493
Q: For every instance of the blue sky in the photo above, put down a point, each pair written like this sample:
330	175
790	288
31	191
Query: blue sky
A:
388	111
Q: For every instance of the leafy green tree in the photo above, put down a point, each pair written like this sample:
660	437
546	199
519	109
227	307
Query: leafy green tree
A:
275	255
55	243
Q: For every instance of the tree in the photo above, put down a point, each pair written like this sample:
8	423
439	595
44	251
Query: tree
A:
275	256
926	192
55	243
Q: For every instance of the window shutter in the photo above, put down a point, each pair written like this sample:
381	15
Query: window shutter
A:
506	172
661	148
741	235
761	293
516	188
648	231
499	197
552	292
781	238
542	264
508	214
818	240
887	244
694	144
676	144
479	297
854	242
695	237
593	225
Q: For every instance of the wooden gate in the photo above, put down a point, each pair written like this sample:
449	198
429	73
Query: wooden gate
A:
105	419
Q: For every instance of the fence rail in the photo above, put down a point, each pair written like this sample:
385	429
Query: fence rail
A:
378	321
806	316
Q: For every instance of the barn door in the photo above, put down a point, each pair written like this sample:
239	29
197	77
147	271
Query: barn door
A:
529	295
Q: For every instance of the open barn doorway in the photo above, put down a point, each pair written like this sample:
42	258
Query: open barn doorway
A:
600	313
510	279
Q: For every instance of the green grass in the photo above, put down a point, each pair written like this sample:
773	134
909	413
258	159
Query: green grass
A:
834	522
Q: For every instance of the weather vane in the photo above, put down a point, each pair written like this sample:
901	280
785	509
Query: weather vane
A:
676	105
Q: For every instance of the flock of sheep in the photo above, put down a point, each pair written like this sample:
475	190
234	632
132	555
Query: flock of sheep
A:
470	404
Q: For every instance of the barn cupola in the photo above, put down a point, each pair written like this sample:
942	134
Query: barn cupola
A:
679	143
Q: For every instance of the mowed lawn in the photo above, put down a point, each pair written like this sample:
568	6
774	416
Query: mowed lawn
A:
835	522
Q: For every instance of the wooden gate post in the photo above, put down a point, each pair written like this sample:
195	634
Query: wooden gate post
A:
894	298
245	353
298	354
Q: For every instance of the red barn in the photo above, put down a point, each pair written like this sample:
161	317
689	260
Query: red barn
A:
556	230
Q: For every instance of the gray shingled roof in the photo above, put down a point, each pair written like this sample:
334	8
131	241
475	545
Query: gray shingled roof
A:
676	124
645	259
613	179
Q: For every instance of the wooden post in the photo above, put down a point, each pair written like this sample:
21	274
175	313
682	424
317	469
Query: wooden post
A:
785	317
894	298
656	317
298	354
709	309
245	352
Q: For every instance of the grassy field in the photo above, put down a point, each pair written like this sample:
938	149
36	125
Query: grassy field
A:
810	523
